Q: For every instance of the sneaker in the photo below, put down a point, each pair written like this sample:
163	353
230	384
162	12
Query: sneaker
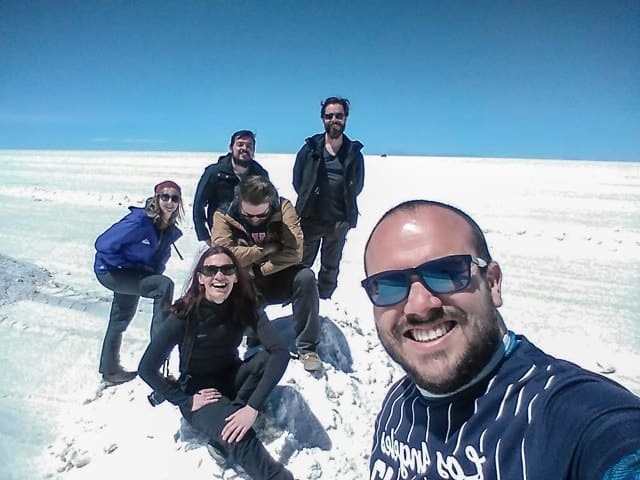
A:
118	377
310	361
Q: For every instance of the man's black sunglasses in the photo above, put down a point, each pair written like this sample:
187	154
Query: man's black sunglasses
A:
442	275
259	215
330	116
211	270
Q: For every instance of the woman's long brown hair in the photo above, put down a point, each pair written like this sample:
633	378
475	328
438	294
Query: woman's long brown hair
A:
243	298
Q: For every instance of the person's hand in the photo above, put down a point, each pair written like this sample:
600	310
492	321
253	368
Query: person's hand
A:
270	248
205	397
238	424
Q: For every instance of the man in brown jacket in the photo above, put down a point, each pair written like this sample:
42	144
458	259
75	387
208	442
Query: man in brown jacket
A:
263	231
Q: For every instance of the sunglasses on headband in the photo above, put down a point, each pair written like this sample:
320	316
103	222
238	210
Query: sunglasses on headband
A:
211	270
442	275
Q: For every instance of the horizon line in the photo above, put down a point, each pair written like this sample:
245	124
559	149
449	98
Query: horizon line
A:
381	155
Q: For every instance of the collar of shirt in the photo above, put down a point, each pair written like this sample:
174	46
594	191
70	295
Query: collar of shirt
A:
508	344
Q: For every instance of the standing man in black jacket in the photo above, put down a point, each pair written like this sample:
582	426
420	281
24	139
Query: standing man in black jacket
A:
219	180
328	175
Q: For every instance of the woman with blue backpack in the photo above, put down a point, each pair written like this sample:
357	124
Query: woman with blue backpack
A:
131	256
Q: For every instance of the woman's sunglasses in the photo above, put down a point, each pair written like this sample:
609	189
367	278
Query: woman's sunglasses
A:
442	275
211	270
165	197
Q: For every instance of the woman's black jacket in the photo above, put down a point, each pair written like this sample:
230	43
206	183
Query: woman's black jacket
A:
216	338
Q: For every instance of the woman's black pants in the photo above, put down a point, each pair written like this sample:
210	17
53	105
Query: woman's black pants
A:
249	453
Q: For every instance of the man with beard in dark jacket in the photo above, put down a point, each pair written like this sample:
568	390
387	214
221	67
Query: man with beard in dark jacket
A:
219	180
328	175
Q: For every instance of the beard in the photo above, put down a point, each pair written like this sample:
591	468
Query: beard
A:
334	130
241	162
484	337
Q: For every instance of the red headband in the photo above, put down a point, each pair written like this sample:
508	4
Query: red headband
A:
167	184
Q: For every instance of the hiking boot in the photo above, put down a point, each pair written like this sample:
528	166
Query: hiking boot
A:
310	361
119	376
325	293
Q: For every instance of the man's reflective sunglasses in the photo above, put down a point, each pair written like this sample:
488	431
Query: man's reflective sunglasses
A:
442	275
165	197
211	270
330	116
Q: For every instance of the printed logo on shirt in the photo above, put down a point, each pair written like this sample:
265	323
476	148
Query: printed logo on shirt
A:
145	242
412	460
259	237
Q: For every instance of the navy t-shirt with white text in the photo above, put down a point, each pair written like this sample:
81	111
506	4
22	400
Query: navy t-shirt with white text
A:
534	417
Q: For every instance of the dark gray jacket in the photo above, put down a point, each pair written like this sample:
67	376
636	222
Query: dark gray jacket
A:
305	176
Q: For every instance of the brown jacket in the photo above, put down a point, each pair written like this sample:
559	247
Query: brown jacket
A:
283	228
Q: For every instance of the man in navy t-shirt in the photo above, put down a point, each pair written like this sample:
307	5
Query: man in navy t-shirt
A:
478	401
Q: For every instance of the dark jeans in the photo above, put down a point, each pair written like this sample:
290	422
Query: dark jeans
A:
295	284
127	287
249	453
332	237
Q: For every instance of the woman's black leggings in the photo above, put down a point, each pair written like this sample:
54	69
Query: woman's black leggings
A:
249	453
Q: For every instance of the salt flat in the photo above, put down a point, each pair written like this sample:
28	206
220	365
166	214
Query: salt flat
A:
566	233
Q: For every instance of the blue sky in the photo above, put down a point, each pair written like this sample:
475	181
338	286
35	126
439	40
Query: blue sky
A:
541	79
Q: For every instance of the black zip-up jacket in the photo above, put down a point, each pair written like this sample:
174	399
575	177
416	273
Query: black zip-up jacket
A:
305	176
213	354
216	187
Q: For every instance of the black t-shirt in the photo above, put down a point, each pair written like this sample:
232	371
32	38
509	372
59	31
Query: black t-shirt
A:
331	207
258	233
